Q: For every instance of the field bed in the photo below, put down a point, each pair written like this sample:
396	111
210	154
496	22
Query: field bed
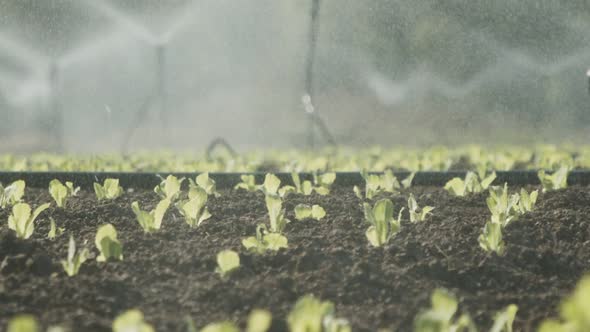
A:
170	274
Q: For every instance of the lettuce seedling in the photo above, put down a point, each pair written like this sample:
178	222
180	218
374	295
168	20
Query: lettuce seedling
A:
227	261
504	207
504	319
204	182
323	182
301	187
264	241
107	243
151	221
74	260
383	225
54	231
527	201
387	182
439	317
417	214
491	238
131	321
276	213
61	193
574	311
259	321
194	210
555	181
23	323
109	190
12	194
304	211
471	184
312	315
272	184
22	221
248	183
220	327
169	188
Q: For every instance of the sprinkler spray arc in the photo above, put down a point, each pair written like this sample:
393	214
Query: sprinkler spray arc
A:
307	99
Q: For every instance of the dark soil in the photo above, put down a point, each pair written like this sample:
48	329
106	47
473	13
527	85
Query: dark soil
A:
170	274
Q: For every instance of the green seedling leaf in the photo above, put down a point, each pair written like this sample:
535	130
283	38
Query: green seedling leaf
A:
150	221
23	323
504	207
227	261
107	243
308	314
264	241
407	182
109	190
22	221
61	193
54	231
259	321
555	181
527	201
12	194
323	182
491	239
574	311
72	264
220	327
471	184
204	182
276	213
248	183
169	188
504	320
439	317
303	211
131	321
271	185
194	210
417	214
382	224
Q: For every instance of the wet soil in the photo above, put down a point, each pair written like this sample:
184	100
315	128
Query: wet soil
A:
170	274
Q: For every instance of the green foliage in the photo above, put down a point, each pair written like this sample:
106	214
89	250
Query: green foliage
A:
276	213
220	327
12	194
131	321
205	183
471	184
417	214
301	187
259	321
72	263
504	320
504	207
387	182
107	243
109	190
439	317
248	183
169	188
61	193
491	239
323	182
23	323
22	221
194	210
309	314
264	241
227	261
151	221
54	231
382	224
303	211
574	311
527	201
555	181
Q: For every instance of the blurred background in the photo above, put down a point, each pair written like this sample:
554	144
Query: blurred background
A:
118	75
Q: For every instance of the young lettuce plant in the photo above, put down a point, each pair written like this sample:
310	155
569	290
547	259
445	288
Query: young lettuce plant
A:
504	207
504	319
131	321
258	321
74	260
204	182
61	193
304	211
54	231
194	210
272	187
276	213
471	184
107	243
417	214
527	201
555	181
439	317
313	315
12	194
23	323
169	188
109	190
151	221
491	238
383	225
574	311
264	241
248	183
22	221
323	182
301	187
227	262
387	182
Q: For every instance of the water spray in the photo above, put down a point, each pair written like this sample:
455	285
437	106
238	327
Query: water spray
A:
56	110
